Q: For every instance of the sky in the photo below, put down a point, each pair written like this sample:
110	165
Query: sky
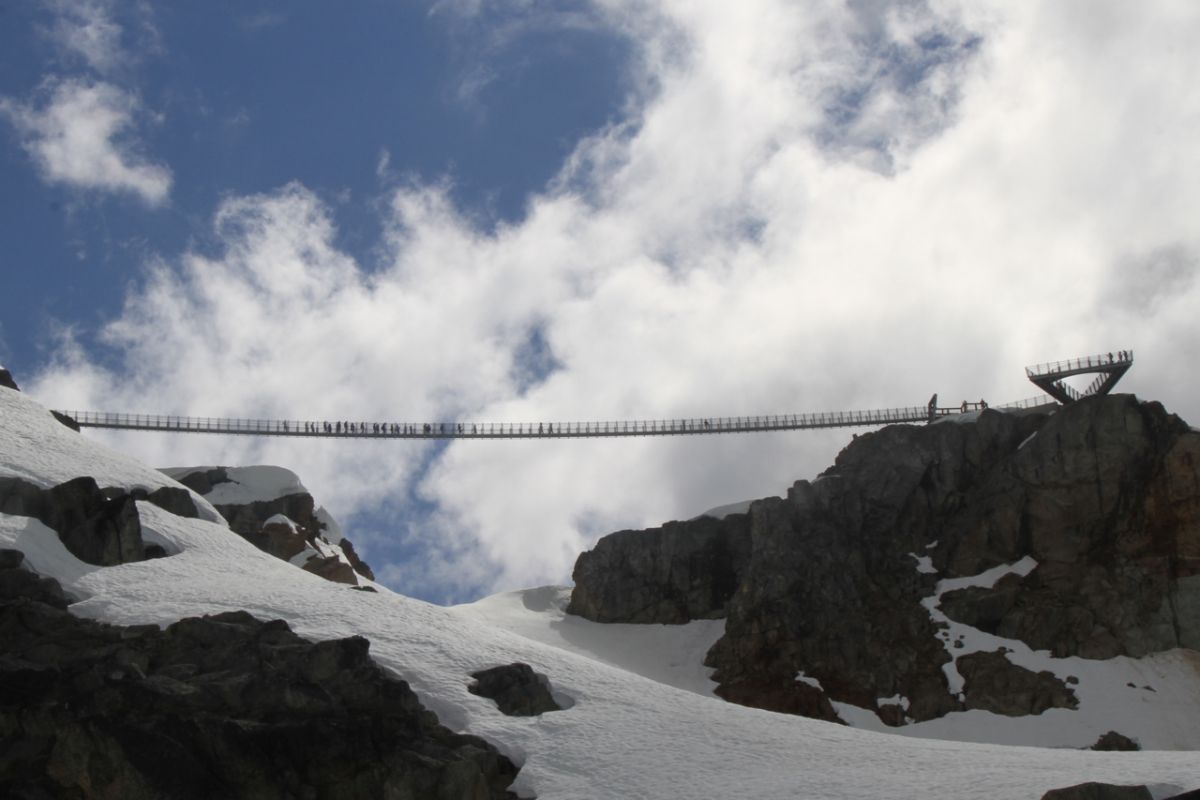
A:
615	209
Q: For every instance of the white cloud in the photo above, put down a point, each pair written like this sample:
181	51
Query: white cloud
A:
86	29
80	136
739	244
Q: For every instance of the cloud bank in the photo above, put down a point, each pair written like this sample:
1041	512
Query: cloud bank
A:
806	207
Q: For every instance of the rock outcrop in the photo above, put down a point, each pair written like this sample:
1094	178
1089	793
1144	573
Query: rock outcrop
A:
836	585
6	380
516	688
220	706
1114	741
97	526
288	526
679	572
1099	791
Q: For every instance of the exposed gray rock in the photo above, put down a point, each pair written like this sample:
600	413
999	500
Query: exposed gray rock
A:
1099	791
673	574
993	683
516	688
1113	741
221	706
6	380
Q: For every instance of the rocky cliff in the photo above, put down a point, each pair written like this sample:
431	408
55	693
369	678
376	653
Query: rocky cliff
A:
1076	532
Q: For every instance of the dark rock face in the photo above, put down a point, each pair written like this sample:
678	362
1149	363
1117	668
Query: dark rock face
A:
1106	498
673	574
17	582
516	688
220	706
1099	791
993	683
250	521
97	526
65	420
6	380
1113	741
94	527
1103	494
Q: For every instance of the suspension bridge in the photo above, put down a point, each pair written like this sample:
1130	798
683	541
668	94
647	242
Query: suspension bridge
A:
1050	377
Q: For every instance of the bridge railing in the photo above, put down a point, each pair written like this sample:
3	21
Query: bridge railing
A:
1081	363
1030	402
463	429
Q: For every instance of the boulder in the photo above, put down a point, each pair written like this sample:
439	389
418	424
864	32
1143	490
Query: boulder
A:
1099	791
331	568
993	683
1113	741
220	706
516	688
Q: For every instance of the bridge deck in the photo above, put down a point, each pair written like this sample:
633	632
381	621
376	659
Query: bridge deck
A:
501	430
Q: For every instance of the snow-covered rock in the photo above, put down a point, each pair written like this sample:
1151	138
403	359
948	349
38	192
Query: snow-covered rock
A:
272	509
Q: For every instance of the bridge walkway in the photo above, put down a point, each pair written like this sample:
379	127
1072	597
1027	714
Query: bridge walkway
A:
348	429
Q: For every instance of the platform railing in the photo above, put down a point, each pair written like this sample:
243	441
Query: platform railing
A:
1082	363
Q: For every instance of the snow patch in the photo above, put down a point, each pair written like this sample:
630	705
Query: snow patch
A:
332	531
924	564
301	558
813	682
44	552
247	485
281	519
894	700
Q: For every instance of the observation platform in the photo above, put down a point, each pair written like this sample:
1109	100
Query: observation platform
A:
1108	368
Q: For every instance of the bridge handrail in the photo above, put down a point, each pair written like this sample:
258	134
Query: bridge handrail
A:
467	429
1083	362
1030	402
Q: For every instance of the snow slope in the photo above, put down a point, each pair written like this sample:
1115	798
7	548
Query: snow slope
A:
247	484
629	733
